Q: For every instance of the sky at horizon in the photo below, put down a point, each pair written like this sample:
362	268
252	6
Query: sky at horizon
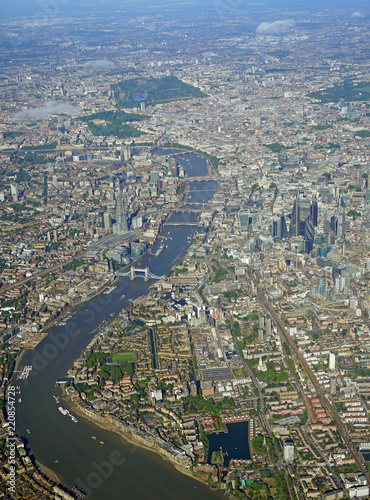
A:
26	8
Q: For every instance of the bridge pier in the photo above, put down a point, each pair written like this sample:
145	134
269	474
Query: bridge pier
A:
146	277
132	273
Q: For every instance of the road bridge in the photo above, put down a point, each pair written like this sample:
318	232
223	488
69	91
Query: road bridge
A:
202	178
181	224
140	273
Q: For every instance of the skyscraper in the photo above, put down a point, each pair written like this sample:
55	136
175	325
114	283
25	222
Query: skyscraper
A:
245	220
14	191
101	219
107	221
333	223
126	153
309	229
296	218
341	225
275	229
326	223
314	212
121	222
283	227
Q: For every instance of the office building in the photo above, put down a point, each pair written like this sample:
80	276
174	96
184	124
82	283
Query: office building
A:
173	167
126	153
14	191
283	226
314	212
137	222
296	219
275	225
245	220
101	220
326	223
260	335
341	225
107	221
309	234
300	213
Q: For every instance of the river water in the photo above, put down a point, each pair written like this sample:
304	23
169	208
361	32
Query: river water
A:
116	469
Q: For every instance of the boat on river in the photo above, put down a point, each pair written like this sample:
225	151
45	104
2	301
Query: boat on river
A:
66	443
23	375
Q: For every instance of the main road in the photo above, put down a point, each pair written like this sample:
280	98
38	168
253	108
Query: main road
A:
324	399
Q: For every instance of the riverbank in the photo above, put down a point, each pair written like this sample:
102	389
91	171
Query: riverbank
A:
73	441
76	307
130	439
48	472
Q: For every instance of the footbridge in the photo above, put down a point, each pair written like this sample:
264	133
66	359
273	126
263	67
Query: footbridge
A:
140	273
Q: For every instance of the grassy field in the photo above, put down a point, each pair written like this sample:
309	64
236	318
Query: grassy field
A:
348	90
152	91
124	357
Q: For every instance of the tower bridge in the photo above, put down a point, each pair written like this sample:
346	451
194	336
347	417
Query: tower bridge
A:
140	273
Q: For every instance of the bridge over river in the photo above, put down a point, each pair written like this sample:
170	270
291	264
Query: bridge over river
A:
140	273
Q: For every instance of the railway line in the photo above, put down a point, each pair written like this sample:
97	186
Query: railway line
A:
324	399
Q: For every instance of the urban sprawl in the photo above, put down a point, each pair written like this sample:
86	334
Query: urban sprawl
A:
265	319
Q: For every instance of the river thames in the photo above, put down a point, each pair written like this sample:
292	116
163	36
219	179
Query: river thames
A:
116	469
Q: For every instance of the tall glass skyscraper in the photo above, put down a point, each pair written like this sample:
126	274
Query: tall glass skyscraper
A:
121	221
301	210
341	225
314	212
245	220
283	226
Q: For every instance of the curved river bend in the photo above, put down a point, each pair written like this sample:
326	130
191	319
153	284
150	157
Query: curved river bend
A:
117	469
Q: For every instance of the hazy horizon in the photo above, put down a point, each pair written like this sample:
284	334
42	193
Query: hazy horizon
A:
28	8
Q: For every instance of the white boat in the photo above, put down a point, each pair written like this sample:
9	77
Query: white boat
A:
63	410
